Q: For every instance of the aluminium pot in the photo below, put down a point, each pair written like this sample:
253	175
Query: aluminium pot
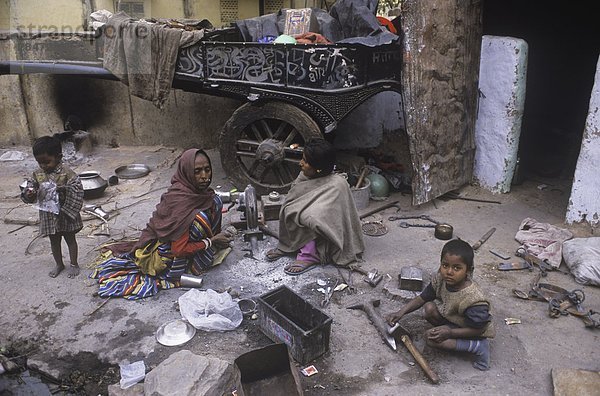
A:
93	184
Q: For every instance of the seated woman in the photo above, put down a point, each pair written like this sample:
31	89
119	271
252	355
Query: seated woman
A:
318	219
181	236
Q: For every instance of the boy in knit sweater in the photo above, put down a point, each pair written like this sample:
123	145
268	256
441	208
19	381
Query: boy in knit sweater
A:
456	306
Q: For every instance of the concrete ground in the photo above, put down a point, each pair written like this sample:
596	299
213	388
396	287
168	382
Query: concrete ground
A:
59	326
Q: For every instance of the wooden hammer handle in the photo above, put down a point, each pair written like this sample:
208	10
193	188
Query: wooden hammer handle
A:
420	359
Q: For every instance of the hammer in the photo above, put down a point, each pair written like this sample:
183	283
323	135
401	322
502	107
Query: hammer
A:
372	278
377	320
399	330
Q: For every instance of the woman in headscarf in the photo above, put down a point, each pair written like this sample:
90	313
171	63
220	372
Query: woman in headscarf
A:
182	235
318	219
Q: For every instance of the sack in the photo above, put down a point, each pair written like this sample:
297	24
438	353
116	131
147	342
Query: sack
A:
582	256
209	310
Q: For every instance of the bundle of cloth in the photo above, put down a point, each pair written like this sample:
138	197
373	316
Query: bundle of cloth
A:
348	21
143	53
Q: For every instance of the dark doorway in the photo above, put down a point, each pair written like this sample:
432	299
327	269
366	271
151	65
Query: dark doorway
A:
564	44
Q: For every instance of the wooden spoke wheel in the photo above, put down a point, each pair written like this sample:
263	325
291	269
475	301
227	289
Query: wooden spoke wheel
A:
262	145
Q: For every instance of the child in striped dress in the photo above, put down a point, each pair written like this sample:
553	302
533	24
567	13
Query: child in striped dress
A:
58	193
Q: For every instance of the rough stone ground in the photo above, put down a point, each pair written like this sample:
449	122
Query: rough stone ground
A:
48	319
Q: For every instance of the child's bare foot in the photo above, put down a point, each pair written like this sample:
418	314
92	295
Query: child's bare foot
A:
73	271
57	270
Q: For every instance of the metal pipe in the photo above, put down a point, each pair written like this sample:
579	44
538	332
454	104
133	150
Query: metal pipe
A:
29	67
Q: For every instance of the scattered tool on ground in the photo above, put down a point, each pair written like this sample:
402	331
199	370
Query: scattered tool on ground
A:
103	303
534	260
514	265
351	289
379	209
374	228
484	238
411	278
329	292
561	302
377	320
413	217
398	330
502	255
404	224
371	277
456	195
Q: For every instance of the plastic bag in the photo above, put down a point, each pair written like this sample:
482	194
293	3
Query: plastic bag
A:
132	373
582	256
47	197
209	310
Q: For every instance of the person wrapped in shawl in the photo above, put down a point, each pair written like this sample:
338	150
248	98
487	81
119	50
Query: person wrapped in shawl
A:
182	235
318	219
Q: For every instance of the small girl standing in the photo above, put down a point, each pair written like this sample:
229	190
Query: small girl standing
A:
58	193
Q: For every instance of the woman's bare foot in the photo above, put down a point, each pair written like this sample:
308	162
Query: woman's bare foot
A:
57	270
73	271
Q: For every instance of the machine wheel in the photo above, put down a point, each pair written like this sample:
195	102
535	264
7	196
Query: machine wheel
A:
262	145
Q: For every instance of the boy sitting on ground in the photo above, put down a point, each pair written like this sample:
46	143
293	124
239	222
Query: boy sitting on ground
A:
456	306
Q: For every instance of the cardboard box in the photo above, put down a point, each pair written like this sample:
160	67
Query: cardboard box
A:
300	21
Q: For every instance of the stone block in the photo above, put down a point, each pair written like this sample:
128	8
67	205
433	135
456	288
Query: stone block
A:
134	390
185	373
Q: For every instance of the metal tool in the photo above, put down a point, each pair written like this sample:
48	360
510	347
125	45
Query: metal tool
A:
533	260
398	330
329	293
96	211
411	278
379	209
404	224
455	195
413	217
351	289
377	320
248	206
502	255
484	238
371	277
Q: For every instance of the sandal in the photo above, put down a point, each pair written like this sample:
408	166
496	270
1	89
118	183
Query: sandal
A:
274	254
301	266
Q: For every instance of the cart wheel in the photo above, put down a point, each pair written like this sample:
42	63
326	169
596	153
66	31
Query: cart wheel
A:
262	145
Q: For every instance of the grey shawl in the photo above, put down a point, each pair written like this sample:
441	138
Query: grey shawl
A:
144	55
321	209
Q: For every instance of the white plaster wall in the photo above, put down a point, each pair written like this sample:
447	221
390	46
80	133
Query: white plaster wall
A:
502	80
584	204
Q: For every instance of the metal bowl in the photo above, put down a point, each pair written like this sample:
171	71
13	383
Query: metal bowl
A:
247	306
132	171
175	332
443	231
